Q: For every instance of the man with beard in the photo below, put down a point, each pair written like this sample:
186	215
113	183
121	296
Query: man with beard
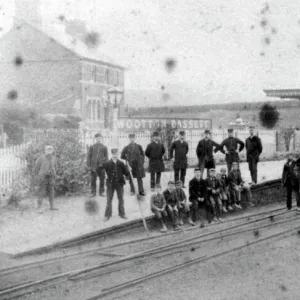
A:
181	148
155	152
45	172
134	155
204	153
97	157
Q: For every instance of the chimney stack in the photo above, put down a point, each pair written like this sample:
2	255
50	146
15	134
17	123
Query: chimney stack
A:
28	11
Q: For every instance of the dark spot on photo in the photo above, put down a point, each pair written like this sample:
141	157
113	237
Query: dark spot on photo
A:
61	18
271	218
145	32
263	23
1	28
92	39
252	27
265	9
162	87
12	95
298	232
192	249
267	40
91	206
18	27
18	61
170	64
274	30
256	233
283	287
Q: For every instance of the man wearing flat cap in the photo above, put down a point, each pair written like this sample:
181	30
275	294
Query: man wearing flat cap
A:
254	149
180	163
97	157
232	146
134	156
116	172
155	152
204	152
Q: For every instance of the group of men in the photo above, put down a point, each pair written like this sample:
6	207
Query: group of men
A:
134	157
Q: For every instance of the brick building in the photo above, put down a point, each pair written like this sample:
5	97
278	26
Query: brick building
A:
55	76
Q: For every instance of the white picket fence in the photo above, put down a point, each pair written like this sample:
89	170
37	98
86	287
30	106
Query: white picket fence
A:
12	166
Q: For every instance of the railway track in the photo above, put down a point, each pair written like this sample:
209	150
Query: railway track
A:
260	221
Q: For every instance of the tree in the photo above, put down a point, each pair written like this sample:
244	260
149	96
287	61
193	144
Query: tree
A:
288	133
268	116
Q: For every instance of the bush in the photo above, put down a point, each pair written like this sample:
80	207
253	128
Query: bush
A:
72	175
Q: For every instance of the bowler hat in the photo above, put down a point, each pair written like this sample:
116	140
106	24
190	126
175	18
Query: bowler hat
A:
98	135
171	182
181	133
230	129
114	150
206	131
178	183
156	133
131	135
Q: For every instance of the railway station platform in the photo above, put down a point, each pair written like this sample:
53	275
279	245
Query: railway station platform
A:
24	229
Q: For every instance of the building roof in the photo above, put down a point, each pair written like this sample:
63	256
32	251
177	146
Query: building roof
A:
283	93
80	49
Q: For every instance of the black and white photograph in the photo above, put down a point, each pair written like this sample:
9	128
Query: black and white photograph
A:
149	149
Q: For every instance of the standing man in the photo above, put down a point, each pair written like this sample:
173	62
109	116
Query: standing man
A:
290	181
180	163
155	152
233	146
134	155
97	157
115	170
204	153
254	149
45	172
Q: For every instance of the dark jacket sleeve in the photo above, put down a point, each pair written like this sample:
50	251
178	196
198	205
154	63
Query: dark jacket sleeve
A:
187	148
216	145
241	143
124	153
221	147
163	150
106	153
172	150
141	150
199	149
148	151
125	170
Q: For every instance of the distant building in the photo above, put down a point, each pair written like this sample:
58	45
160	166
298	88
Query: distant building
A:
56	76
239	124
284	93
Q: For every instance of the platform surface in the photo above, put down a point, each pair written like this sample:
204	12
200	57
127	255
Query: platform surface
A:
23	228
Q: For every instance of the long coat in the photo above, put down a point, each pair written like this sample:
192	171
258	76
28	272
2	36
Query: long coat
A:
44	165
197	189
181	150
253	147
121	171
155	153
231	144
206	148
134	154
97	156
289	173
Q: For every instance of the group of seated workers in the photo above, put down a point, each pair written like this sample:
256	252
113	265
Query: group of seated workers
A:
214	196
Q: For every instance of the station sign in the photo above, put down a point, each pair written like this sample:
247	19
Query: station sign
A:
149	124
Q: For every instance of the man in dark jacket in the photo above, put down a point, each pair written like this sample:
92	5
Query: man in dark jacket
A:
155	152
254	149
198	195
45	172
115	170
181	149
97	157
134	155
204	153
233	146
290	181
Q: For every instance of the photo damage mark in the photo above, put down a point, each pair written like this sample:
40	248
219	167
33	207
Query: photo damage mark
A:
12	95
170	64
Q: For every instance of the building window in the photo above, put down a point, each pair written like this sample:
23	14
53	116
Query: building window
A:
94	110
89	110
98	110
101	75
106	76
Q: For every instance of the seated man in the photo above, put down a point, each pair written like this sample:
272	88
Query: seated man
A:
237	186
158	207
184	205
197	192
213	190
224	190
172	204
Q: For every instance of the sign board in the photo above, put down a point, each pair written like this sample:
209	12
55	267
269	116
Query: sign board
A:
148	123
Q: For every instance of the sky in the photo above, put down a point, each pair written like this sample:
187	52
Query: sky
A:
229	47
